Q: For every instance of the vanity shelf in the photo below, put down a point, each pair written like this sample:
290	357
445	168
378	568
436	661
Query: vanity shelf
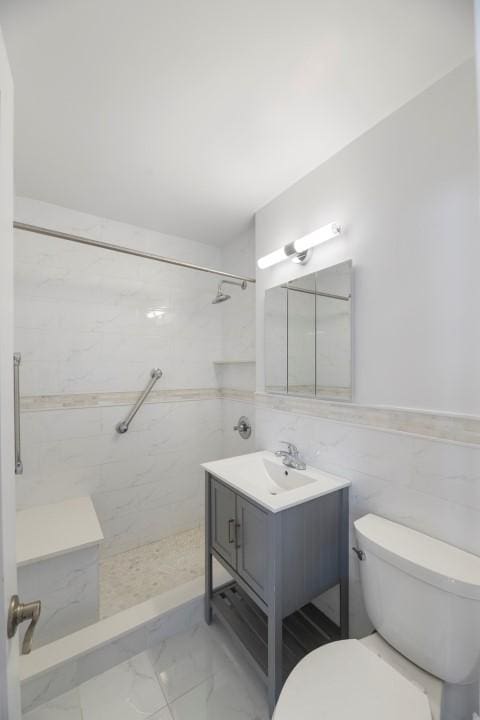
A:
282	535
303	630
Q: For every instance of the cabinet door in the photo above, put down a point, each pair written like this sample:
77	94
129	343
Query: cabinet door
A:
252	545
222	508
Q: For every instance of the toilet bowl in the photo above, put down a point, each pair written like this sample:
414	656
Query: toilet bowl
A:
422	663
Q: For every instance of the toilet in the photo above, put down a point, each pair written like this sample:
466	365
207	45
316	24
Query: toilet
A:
422	663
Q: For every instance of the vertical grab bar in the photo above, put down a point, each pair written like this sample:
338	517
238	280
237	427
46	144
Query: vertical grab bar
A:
123	426
17	358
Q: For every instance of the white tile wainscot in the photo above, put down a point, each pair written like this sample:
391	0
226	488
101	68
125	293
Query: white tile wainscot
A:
57	559
429	484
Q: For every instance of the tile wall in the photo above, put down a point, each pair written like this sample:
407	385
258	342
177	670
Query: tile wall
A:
428	485
91	322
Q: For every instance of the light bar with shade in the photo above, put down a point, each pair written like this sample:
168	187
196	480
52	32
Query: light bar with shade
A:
298	249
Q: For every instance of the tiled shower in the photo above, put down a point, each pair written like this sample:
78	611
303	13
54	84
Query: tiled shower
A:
90	325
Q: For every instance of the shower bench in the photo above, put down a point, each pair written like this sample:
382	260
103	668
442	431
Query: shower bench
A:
57	561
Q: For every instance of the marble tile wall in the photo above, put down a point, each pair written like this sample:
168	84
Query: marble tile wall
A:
68	586
238	314
233	443
430	485
88	320
145	484
85	329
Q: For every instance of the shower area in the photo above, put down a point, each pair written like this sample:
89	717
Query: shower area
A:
133	372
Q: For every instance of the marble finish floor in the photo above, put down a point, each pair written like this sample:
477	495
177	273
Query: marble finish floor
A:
139	574
196	675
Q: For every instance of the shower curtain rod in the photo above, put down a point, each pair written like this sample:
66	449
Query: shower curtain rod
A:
125	250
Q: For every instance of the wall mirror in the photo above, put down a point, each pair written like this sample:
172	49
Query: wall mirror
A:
308	335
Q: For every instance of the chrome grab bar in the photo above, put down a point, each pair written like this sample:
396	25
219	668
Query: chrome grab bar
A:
123	426
17	358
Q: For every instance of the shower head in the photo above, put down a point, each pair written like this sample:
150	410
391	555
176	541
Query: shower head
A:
221	296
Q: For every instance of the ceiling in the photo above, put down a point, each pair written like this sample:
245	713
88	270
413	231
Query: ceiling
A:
187	116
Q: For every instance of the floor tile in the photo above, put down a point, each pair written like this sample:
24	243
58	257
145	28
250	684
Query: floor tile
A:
64	707
136	575
187	659
126	692
201	672
227	695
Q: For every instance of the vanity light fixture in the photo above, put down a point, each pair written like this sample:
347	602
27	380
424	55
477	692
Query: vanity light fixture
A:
298	249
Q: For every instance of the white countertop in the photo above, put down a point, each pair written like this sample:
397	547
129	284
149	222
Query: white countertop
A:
45	531
264	478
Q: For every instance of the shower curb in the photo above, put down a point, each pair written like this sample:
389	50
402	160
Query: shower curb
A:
66	663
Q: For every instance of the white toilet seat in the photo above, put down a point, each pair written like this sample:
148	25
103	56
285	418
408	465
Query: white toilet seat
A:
345	680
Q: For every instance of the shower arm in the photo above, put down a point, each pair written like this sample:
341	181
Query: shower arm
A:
242	284
123	426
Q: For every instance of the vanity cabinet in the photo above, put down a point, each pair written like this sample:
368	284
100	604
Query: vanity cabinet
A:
239	535
279	562
223	522
252	532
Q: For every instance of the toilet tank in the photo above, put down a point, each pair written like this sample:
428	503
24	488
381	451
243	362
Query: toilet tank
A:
423	597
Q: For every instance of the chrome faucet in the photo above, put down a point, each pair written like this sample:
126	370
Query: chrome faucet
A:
291	457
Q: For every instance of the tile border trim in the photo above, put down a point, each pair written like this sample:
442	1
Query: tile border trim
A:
423	423
35	403
448	427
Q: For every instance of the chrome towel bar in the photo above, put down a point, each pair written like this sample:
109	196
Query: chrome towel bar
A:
123	426
17	358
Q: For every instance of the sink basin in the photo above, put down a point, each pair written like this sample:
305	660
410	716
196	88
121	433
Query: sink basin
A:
283	478
264	478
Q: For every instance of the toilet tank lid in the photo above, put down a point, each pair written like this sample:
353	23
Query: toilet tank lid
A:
433	561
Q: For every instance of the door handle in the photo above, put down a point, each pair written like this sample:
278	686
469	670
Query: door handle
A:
237	528
231	524
20	612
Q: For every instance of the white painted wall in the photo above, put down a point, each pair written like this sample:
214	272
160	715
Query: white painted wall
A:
406	194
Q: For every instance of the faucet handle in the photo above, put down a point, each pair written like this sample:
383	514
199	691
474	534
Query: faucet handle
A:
292	449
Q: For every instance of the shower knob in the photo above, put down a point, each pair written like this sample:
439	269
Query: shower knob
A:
243	427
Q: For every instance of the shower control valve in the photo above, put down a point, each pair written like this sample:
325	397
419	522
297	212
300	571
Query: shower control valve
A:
243	427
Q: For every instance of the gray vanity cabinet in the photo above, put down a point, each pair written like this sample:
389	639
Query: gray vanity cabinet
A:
279	562
223	521
252	545
239	535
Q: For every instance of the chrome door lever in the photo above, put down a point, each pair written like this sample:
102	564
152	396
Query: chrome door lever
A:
20	612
